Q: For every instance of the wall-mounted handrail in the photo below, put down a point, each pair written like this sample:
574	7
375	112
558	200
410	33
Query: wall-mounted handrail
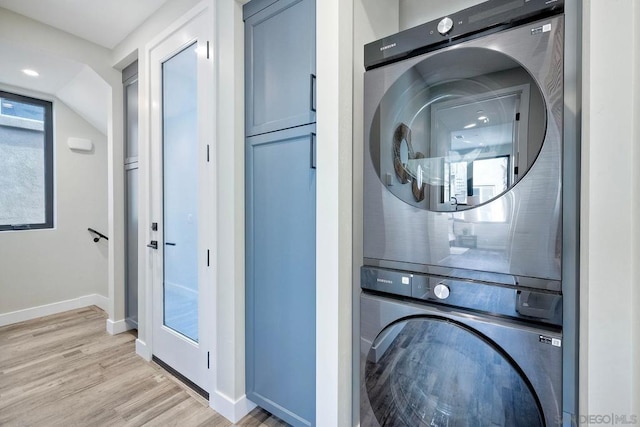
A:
98	234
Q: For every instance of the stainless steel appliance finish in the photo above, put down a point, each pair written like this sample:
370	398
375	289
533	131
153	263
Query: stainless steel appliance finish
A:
433	201
463	302
433	365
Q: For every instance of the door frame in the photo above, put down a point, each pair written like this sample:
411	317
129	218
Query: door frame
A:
150	173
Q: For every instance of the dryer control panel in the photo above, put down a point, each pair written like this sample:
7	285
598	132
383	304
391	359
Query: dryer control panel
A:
484	18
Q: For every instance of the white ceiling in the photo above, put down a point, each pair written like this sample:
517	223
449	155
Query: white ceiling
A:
69	81
55	71
104	22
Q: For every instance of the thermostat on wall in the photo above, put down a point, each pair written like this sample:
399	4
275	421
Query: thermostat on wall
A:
80	144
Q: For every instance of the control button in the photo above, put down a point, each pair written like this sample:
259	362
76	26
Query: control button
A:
441	291
445	26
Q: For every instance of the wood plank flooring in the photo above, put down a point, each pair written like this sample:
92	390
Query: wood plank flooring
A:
65	370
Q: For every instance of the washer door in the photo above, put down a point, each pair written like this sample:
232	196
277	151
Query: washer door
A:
431	371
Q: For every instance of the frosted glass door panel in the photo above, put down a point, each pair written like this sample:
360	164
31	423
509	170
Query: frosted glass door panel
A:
131	95
131	186
180	180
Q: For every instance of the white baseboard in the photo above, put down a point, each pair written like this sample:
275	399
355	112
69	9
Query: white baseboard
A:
142	350
233	411
53	308
117	327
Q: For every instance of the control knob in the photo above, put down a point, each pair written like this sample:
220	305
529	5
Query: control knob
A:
445	25
441	291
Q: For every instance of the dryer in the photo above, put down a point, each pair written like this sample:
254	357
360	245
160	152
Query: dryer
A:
463	145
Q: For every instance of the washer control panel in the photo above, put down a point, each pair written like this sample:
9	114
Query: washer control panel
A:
543	306
445	25
441	291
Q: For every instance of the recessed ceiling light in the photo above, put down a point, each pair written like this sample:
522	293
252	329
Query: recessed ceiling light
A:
30	73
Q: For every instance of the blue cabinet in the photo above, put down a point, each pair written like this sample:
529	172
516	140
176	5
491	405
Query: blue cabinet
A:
280	266
280	63
281	208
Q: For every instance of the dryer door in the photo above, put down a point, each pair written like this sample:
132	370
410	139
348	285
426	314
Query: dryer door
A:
431	371
457	129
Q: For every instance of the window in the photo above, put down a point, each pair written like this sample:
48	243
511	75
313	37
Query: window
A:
26	163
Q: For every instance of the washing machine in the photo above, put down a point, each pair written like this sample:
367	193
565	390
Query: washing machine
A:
441	352
462	294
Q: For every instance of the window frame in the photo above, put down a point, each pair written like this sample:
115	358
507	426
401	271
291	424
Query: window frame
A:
48	162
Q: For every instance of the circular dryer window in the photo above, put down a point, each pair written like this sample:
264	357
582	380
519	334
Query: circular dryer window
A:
433	372
458	129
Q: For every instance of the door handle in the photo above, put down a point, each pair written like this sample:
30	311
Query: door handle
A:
312	90
313	150
169	243
153	244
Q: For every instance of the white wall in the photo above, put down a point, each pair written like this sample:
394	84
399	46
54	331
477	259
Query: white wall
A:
334	58
42	267
609	230
24	32
229	397
635	190
21	32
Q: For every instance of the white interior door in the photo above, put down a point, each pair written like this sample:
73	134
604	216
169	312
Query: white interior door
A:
181	93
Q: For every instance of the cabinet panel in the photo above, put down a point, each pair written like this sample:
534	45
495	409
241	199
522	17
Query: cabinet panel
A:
280	281
280	66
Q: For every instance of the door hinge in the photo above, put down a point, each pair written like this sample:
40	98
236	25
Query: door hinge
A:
517	117
207	257
208	364
207	49
207	152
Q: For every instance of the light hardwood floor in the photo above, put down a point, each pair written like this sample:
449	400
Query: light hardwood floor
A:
65	370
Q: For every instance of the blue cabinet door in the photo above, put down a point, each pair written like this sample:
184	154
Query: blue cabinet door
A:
280	64
280	279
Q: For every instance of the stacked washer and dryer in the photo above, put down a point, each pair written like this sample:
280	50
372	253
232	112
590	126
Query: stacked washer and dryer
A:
462	283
